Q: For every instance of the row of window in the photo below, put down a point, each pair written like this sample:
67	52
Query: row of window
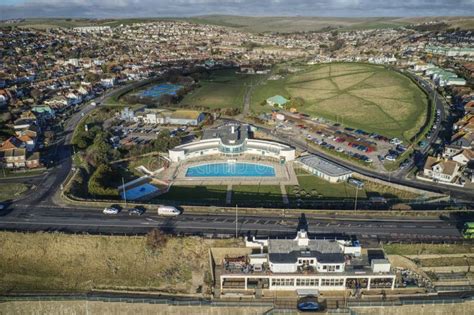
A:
284	282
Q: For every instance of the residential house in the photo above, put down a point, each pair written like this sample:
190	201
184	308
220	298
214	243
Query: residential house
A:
186	117
441	170
464	157
277	100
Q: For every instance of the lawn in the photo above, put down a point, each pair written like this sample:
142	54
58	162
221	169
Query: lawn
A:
56	262
222	89
11	191
349	93
195	194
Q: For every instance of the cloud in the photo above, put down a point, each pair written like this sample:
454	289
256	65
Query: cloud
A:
154	8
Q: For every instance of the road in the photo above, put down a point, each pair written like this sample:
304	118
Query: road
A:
49	218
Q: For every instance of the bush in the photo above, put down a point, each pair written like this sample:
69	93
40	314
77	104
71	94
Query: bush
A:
99	183
156	240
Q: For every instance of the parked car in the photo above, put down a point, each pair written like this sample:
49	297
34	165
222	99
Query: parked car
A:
111	210
355	182
309	306
390	158
136	211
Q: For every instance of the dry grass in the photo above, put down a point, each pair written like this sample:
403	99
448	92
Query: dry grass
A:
57	261
437	309
12	191
112	308
425	249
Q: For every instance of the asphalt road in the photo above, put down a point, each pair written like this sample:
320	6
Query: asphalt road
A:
22	217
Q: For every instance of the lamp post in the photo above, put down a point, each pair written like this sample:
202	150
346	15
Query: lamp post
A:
236	220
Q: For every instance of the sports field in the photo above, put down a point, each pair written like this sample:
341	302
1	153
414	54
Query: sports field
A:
363	96
222	89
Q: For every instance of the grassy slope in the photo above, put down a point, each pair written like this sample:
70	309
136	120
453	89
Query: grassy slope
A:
248	193
314	186
352	92
53	261
11	190
196	193
224	88
292	24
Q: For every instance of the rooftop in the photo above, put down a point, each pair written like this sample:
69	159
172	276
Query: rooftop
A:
232	134
324	165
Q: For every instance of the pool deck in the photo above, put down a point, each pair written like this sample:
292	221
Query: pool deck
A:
284	174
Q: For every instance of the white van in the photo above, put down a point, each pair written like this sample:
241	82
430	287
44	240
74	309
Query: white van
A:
168	211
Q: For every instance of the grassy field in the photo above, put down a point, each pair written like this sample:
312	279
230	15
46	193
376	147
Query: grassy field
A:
223	89
349	93
54	261
11	190
426	249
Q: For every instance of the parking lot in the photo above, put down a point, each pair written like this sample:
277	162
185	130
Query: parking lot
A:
369	148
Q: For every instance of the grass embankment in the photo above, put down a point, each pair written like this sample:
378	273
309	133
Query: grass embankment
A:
60	262
350	93
195	194
256	194
312	187
427	249
11	191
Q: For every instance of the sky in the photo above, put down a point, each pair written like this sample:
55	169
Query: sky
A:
176	8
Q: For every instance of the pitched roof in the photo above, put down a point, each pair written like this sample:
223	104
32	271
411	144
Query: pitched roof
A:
11	143
277	99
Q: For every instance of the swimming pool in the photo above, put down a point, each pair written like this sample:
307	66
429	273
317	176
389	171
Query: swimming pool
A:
158	90
231	170
139	191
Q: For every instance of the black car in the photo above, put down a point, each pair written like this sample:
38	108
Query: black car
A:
309	306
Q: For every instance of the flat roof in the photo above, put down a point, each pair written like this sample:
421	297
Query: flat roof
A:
230	134
323	165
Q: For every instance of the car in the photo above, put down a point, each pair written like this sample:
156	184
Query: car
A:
110	210
355	182
2	206
309	306
136	211
390	158
339	149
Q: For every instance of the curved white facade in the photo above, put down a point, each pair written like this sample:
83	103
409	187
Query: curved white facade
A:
216	146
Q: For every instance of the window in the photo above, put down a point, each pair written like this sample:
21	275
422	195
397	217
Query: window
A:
283	282
338	267
307	282
325	267
332	282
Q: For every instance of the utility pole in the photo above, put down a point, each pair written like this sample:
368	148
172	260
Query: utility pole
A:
236	220
123	189
355	204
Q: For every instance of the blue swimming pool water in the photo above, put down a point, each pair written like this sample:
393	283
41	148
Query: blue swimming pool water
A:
157	90
139	191
231	170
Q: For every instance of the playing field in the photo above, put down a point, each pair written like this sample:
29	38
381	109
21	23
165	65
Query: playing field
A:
222	89
363	96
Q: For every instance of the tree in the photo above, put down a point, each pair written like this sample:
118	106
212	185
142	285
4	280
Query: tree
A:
100	182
